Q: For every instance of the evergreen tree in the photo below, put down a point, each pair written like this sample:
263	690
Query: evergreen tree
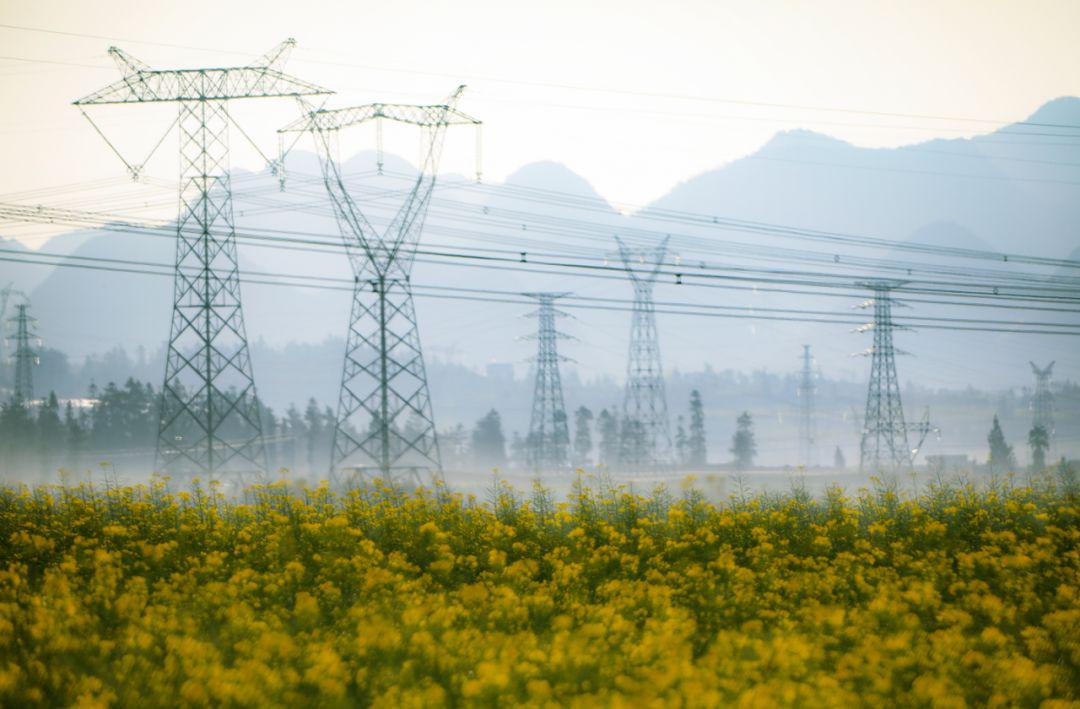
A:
270	431
314	423
680	441
124	418
326	440
608	426
488	441
583	444
633	451
561	439
16	431
743	446
695	442
839	461
1039	442
50	433
297	432
74	435
1001	453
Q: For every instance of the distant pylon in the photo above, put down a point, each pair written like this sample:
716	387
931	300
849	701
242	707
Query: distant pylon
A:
1042	402
5	297
548	442
807	423
644	401
884	446
25	357
384	424
209	419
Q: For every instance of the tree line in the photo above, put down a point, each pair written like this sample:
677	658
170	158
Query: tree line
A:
120	425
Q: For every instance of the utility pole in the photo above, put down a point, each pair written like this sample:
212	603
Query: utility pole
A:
25	358
807	423
384	424
1042	402
209	419
644	401
547	446
884	446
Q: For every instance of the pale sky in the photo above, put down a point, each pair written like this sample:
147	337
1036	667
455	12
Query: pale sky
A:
987	59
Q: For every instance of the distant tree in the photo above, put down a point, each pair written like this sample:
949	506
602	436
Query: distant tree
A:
680	441
314	422
695	442
583	444
124	418
743	446
16	431
50	433
1001	453
608	425
839	462
271	430
297	432
488	441
561	438
74	435
634	451
1039	442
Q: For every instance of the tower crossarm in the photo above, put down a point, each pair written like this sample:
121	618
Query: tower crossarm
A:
1042	373
390	253
340	118
643	265
142	84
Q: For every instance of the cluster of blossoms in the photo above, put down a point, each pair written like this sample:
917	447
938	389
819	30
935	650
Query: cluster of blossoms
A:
139	596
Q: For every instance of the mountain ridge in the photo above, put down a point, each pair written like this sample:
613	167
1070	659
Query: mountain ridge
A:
800	178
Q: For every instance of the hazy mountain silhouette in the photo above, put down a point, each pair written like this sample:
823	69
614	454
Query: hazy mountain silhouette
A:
999	186
994	192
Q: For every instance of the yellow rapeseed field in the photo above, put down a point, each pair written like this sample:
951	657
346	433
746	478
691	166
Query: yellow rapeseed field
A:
142	596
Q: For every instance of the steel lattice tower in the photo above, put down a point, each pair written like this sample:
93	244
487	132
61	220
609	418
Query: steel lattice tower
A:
25	357
884	446
644	402
5	296
1042	402
384	422
807	423
548	443
209	419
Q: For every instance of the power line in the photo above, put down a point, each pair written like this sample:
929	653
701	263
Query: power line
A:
32	214
590	303
577	87
693	276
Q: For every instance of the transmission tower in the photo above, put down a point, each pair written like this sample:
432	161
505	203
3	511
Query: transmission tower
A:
25	357
884	446
5	297
644	402
807	423
1042	403
384	422
209	420
548	443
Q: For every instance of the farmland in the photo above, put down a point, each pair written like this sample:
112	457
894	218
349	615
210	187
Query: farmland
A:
161	595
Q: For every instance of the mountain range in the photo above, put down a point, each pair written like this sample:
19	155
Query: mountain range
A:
1010	190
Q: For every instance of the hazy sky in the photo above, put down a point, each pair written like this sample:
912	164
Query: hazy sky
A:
986	59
